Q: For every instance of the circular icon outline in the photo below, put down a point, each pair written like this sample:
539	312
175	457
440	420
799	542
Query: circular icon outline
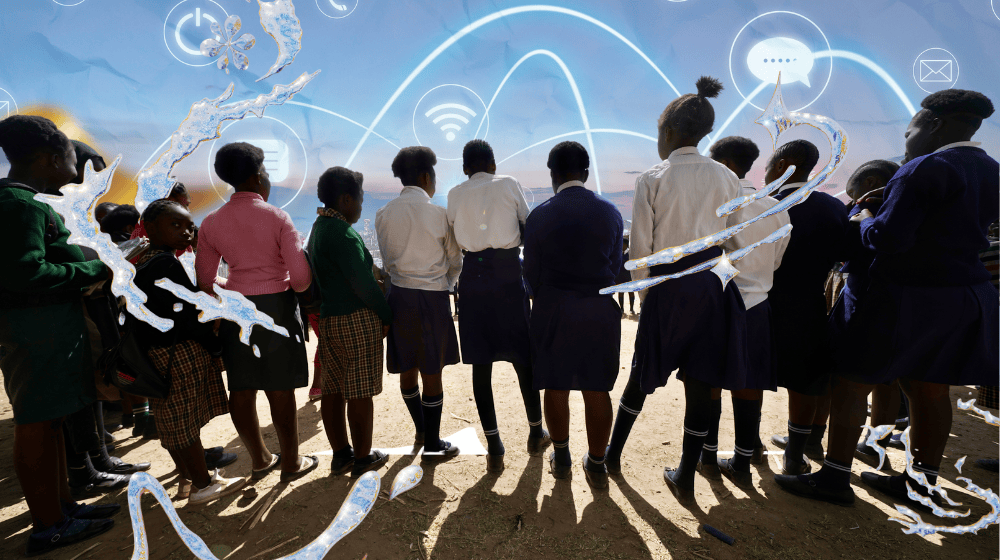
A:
486	115
993	6
12	100
825	39
305	172
69	5
954	58
320	8
167	43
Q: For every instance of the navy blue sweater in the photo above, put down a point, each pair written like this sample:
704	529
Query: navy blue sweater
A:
933	223
573	241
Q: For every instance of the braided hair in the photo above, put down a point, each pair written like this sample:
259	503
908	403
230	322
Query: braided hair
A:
157	207
691	115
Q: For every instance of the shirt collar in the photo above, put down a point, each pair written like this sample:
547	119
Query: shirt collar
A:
747	185
685	151
246	195
790	187
968	144
409	191
567	185
331	213
480	174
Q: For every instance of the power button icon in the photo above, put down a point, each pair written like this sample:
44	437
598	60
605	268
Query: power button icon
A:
187	25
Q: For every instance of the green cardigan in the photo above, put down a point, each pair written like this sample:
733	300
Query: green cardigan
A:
344	270
31	265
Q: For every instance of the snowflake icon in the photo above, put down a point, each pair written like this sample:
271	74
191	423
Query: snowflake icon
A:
235	45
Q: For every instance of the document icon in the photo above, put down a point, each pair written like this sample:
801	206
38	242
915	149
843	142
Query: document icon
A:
936	70
4	109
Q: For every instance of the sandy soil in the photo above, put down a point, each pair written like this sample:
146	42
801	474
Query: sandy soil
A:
461	512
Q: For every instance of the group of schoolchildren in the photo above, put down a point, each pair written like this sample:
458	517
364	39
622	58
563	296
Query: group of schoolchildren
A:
918	312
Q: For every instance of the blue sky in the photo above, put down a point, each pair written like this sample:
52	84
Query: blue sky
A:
111	64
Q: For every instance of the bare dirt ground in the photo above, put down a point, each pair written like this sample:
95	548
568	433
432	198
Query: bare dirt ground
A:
461	512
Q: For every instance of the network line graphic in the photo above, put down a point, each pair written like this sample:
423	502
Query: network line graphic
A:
587	130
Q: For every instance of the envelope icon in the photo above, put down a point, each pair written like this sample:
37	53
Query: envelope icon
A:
4	109
936	70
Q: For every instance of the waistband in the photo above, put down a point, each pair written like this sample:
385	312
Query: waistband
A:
686	263
497	254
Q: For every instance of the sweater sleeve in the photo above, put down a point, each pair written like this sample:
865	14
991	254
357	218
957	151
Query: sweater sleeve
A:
25	268
359	275
532	253
206	261
909	199
290	247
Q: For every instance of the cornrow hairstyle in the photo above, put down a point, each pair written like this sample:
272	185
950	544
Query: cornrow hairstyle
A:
237	162
412	162
970	107
477	154
157	207
738	149
119	217
568	157
802	153
337	181
22	137
691	115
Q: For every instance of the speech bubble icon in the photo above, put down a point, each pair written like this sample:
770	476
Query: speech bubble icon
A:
791	58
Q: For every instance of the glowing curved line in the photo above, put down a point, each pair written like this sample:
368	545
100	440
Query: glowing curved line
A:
451	126
746	101
576	95
444	106
574	133
867	63
476	25
451	116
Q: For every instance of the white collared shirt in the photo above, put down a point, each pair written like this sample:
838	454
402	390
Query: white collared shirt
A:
967	144
418	247
757	269
487	212
569	184
675	202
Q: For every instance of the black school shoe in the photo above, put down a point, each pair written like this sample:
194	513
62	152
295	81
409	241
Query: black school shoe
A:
101	484
341	465
612	462
709	470
122	468
446	452
216	458
812	450
96	511
597	479
758	456
883	484
682	493
561	472
740	478
537	445
372	462
806	487
69	532
494	463
867	455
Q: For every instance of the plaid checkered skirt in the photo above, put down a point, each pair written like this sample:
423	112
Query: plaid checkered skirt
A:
197	394
350	351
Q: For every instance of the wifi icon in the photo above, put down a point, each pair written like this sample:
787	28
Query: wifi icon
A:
450	120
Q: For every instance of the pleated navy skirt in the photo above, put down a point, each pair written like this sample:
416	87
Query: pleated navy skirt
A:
493	308
937	334
422	333
762	373
799	324
575	340
693	324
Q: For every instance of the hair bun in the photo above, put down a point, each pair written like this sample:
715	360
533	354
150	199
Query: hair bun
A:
708	86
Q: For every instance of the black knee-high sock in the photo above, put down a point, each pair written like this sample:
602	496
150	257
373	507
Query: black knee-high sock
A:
100	458
532	399
563	456
482	390
81	471
99	416
710	449
432	405
697	397
411	397
629	408
798	435
746	415
816	433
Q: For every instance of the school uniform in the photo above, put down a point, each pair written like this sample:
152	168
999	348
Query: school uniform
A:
424	262
754	282
797	296
934	314
486	213
572	249
692	323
